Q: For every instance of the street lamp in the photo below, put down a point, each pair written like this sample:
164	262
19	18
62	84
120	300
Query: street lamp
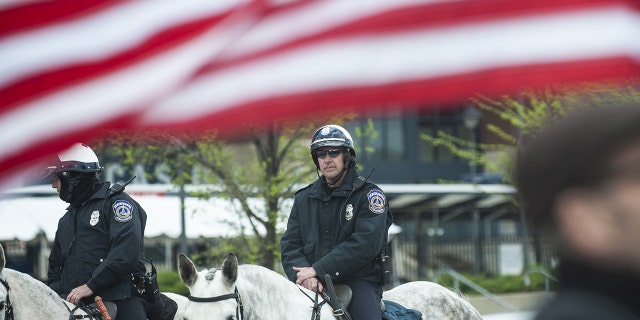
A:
471	118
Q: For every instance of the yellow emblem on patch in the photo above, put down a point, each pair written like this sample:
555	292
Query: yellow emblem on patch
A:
122	211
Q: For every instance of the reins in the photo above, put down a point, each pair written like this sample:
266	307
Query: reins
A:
6	305
317	306
90	312
235	295
339	308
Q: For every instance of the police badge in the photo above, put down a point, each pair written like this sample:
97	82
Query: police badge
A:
349	214
95	218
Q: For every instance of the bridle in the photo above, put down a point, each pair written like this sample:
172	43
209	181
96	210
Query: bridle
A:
317	306
6	305
339	314
235	295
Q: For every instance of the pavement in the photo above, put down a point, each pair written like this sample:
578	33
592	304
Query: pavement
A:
522	305
518	315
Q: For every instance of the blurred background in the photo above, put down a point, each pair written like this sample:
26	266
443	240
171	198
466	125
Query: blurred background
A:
212	106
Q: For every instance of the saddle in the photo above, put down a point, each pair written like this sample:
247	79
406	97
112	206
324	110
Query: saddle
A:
93	310
339	297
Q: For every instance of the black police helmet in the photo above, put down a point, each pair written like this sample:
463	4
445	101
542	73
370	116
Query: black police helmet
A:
331	136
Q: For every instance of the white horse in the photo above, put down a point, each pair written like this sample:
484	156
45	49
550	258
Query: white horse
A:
266	294
32	299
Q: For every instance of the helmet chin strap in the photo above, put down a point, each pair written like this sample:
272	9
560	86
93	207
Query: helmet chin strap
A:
346	167
334	181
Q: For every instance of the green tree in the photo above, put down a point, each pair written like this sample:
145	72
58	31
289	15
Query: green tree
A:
525	114
257	174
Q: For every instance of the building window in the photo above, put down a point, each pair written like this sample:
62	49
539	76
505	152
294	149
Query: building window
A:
395	140
446	121
390	142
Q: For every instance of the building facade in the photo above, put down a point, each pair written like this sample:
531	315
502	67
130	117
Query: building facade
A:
446	221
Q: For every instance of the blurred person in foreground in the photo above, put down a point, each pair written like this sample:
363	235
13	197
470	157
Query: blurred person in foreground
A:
579	181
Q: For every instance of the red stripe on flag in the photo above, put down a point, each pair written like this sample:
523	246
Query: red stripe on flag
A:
416	16
34	15
421	92
50	81
355	91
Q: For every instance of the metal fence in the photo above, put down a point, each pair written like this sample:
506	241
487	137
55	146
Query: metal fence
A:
420	250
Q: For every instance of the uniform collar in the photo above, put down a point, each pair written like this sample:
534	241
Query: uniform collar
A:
320	185
101	193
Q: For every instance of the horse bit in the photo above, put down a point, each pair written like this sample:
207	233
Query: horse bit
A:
6	305
235	295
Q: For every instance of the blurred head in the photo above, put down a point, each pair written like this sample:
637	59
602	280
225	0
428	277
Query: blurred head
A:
74	172
580	179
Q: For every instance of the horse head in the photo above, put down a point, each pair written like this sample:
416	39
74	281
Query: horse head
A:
6	309
213	292
4	293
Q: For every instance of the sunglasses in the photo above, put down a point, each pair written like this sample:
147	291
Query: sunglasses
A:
333	153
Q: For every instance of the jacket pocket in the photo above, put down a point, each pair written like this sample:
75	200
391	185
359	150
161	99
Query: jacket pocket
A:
91	261
94	257
308	250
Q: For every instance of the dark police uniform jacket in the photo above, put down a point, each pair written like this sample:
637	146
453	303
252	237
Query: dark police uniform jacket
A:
99	244
337	233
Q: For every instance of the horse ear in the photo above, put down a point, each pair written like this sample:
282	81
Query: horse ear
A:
230	268
187	270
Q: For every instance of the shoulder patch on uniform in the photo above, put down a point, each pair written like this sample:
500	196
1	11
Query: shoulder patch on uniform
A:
122	210
377	201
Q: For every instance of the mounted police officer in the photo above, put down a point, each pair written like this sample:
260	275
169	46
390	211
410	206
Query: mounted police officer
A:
338	226
99	239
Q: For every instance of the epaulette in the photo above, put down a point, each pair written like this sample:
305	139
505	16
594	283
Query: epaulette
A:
360	181
303	188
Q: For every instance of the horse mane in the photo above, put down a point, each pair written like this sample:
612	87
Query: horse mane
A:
264	290
262	277
258	284
28	284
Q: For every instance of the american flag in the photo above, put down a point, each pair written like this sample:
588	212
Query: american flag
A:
71	69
